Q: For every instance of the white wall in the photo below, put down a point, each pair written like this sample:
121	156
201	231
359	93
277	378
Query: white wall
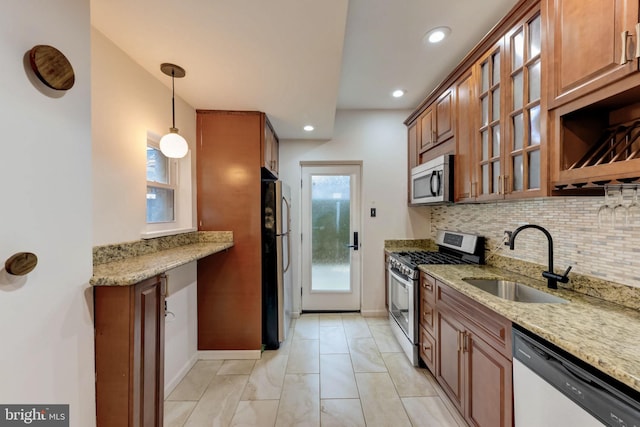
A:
46	326
127	102
379	140
181	325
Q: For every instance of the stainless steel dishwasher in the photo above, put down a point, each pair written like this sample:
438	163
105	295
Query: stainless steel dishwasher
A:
552	388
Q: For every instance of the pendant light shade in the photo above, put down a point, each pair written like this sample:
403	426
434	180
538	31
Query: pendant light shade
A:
173	145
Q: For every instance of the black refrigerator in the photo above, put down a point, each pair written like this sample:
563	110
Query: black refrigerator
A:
276	263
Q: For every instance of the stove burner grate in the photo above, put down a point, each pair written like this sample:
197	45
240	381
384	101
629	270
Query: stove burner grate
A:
416	258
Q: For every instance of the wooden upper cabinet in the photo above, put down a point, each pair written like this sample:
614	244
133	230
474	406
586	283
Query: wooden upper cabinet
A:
270	149
412	133
413	148
509	149
489	120
492	111
444	116
465	179
437	122
427	129
587	47
525	148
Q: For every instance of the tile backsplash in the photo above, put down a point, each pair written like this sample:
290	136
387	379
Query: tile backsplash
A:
611	253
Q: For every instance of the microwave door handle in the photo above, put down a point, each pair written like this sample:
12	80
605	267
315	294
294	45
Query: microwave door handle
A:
435	175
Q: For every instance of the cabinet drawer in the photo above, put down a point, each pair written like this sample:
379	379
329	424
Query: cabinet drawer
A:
427	315
494	329
427	287
427	349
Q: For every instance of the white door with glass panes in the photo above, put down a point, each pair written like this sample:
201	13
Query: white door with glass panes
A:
331	252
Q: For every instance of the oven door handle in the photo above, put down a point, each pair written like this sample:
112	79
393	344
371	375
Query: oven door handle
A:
406	282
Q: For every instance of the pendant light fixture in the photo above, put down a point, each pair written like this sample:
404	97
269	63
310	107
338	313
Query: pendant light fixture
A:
173	144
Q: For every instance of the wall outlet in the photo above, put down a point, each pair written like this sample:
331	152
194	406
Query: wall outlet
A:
507	237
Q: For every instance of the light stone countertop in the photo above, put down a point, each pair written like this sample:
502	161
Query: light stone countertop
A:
602	334
409	245
131	262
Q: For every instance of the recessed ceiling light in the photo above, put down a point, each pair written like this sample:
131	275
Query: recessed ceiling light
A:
436	35
398	93
308	128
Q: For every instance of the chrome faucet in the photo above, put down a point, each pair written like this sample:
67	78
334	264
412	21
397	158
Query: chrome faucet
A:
551	276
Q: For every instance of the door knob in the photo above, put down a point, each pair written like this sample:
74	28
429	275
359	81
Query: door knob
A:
355	245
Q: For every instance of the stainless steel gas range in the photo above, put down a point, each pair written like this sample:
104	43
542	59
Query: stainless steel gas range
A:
402	268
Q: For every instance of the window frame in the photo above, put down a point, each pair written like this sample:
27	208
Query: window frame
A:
172	178
180	180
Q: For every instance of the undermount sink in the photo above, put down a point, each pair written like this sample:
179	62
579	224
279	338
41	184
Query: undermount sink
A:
514	291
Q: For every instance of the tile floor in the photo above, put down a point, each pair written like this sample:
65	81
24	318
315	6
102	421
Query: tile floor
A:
333	370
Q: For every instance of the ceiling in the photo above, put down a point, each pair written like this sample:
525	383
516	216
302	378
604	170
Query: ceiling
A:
298	60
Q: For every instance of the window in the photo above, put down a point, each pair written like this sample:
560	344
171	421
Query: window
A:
169	196
161	187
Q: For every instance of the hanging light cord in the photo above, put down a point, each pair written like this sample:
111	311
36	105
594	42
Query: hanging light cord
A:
173	101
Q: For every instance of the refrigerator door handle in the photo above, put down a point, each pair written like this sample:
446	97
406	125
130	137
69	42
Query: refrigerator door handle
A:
286	233
286	202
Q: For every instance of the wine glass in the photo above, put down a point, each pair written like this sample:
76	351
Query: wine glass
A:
605	212
620	211
633	210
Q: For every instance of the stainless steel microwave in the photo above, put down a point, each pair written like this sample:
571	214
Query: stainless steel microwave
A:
432	182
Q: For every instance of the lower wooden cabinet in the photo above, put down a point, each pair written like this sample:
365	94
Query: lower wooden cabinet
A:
489	385
129	345
451	364
468	349
427	349
426	340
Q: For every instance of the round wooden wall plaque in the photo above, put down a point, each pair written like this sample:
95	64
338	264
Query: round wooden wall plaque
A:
21	263
52	67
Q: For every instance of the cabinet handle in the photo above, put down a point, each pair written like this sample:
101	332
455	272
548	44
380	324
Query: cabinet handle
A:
459	341
164	281
505	186
425	347
638	40
434	136
623	55
427	286
499	184
474	189
465	344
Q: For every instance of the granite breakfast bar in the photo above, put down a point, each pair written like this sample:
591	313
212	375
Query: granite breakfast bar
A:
129	287
128	263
